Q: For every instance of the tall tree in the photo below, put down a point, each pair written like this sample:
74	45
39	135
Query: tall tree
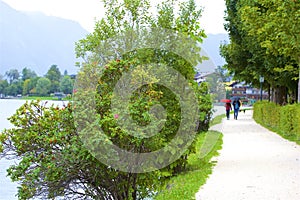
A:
3	85
275	29
66	85
222	73
54	75
264	39
28	74
14	88
43	86
12	75
65	73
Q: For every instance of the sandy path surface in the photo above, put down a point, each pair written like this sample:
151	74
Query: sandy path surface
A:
254	163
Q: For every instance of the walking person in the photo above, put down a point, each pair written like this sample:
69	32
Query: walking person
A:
228	109
236	106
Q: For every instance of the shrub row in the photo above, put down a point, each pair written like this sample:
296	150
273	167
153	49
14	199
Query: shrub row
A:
285	120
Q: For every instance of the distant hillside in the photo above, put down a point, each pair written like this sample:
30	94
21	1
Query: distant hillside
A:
37	41
210	48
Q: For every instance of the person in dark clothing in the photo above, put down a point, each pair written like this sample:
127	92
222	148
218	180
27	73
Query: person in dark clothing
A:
236	107
228	109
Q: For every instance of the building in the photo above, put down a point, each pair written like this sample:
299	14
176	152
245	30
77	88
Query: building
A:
246	92
201	76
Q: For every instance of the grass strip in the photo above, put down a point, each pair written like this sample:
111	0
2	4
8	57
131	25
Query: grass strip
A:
187	184
43	98
289	137
217	120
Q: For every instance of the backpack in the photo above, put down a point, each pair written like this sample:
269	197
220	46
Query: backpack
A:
236	105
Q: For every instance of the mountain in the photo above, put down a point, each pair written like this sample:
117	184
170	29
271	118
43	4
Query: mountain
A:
37	41
210	49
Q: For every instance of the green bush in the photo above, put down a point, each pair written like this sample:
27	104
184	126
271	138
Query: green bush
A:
290	120
285	120
185	185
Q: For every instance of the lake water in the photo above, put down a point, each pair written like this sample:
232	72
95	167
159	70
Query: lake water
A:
8	189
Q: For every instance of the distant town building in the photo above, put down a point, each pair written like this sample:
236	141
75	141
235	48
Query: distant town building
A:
245	91
201	76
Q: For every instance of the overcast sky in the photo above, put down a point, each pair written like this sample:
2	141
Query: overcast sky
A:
87	11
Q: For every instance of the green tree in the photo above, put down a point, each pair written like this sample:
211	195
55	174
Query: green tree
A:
53	156
11	90
66	85
54	75
30	86
264	43
65	73
3	86
43	86
26	87
14	88
222	73
12	75
216	86
276	33
94	49
28	74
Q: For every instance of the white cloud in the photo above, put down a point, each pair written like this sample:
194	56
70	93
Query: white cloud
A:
213	15
83	11
87	11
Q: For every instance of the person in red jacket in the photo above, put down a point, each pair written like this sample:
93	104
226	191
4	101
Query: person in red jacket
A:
228	109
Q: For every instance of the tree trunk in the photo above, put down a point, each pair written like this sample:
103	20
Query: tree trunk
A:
299	84
134	187
273	94
280	95
269	92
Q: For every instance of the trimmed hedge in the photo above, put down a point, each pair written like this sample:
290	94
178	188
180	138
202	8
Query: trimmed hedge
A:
285	120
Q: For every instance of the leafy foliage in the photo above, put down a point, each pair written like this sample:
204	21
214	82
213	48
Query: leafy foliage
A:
27	83
28	74
187	184
43	86
264	42
54	75
38	138
58	164
284	120
66	85
3	86
13	75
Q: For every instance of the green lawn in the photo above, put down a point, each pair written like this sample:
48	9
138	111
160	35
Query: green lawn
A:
41	98
186	185
217	120
290	137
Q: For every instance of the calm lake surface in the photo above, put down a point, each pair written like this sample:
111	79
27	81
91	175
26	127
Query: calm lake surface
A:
8	189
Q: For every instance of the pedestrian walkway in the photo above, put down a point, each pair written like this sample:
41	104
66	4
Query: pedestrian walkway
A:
254	164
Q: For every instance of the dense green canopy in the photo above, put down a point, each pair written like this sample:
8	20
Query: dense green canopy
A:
265	41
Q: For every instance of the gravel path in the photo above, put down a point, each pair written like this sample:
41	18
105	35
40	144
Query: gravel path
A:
254	164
